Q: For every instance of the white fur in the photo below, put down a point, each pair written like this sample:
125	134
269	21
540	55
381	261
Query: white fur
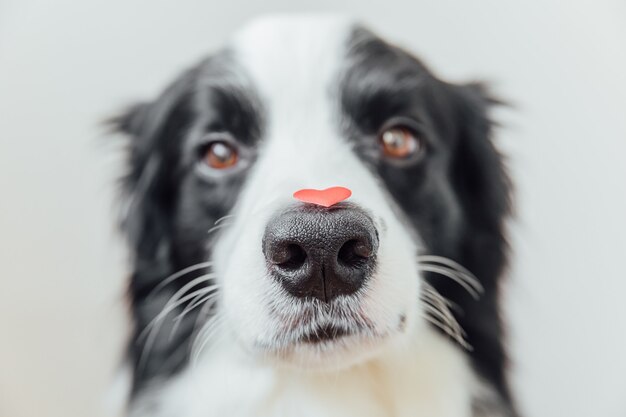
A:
303	150
425	376
398	370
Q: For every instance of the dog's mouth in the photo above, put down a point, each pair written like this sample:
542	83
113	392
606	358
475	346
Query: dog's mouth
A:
318	333
318	337
323	334
307	337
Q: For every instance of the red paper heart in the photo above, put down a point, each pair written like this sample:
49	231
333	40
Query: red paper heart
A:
325	198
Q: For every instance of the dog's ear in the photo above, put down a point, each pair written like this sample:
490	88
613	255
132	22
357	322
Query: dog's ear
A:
130	121
479	170
483	189
153	131
481	181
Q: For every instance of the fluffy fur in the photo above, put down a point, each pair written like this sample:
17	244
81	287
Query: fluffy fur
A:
303	99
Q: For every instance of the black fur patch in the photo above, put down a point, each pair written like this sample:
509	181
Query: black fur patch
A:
170	206
457	195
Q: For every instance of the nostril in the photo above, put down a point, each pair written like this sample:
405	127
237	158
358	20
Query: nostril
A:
290	256
354	253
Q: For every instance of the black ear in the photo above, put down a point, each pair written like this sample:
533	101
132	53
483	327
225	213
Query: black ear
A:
131	120
479	171
483	189
481	182
153	132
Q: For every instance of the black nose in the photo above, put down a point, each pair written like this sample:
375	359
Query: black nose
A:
321	252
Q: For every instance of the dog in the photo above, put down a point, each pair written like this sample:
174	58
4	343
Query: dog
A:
248	299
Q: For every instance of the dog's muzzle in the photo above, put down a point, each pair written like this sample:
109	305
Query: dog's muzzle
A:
321	253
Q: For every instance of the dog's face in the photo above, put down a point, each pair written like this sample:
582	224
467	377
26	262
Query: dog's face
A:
292	105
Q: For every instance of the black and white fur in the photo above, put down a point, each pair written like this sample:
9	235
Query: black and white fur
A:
303	98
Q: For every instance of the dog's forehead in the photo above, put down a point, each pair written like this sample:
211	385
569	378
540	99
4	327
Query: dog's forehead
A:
285	54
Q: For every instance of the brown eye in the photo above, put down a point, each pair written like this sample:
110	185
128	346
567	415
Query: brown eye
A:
399	142
220	155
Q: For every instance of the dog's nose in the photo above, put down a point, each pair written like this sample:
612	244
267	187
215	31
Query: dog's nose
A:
321	253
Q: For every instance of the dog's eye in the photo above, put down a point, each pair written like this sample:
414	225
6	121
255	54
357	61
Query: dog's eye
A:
399	142
220	155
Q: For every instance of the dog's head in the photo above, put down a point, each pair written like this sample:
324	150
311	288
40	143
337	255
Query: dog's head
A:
293	104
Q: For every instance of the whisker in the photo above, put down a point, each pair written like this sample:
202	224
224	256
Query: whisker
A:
205	336
445	261
154	325
452	306
221	219
469	280
219	226
196	302
453	276
449	332
437	311
179	274
460	269
174	302
442	325
431	313
432	292
152	329
438	304
204	312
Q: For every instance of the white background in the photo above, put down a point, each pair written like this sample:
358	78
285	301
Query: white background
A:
67	65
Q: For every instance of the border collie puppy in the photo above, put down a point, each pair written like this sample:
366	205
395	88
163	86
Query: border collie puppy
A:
249	302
